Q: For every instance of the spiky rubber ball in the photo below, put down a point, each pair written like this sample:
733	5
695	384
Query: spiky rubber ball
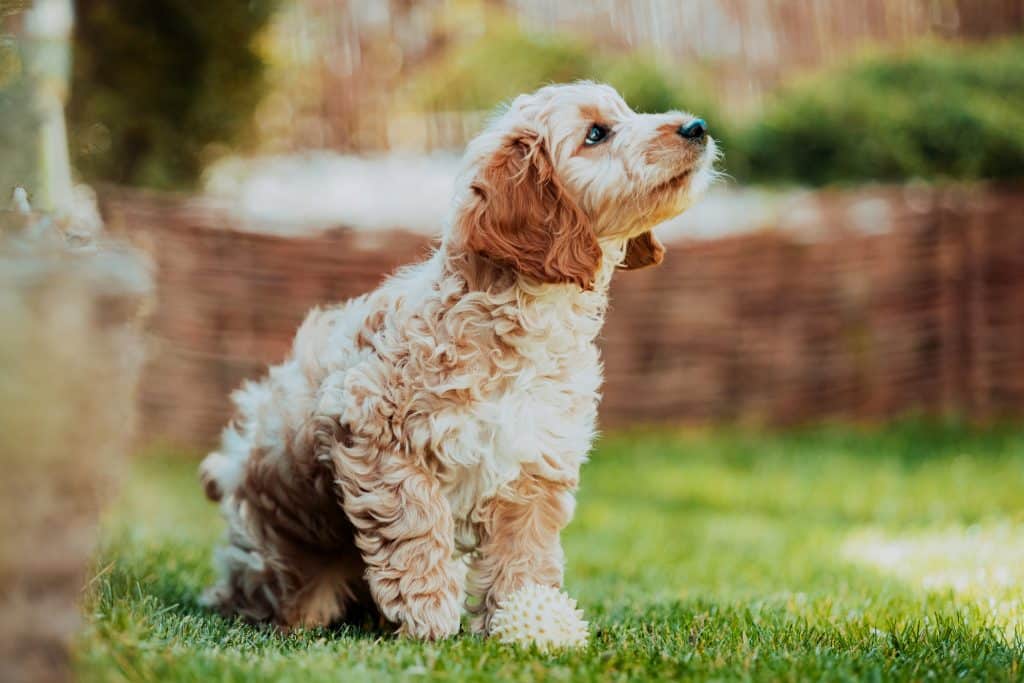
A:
541	616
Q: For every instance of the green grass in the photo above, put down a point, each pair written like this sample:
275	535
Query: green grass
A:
832	553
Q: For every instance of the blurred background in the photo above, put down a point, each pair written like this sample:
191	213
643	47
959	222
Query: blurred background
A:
187	179
864	260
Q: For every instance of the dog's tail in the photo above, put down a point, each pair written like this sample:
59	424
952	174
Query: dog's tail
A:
221	471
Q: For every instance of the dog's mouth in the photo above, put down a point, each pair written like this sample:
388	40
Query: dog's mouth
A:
704	163
674	183
677	181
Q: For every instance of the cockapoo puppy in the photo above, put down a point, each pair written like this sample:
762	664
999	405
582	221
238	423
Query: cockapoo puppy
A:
442	419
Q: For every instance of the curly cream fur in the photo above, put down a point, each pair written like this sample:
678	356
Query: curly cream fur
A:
447	413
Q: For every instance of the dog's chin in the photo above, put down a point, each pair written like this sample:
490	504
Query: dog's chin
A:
688	186
694	180
704	173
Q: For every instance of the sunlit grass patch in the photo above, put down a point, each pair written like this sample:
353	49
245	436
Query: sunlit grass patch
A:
982	565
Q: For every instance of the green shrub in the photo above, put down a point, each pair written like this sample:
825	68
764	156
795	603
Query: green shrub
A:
497	67
156	83
507	61
934	112
646	87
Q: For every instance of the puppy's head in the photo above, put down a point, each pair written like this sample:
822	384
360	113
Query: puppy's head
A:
570	173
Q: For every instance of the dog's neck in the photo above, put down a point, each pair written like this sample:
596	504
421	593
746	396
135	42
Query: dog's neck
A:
541	309
481	274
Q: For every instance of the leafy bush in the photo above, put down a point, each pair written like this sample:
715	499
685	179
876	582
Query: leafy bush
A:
647	87
506	61
497	67
156	83
934	112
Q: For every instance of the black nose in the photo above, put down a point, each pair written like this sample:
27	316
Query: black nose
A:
694	130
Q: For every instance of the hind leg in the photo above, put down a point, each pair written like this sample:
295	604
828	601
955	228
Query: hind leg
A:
326	589
274	579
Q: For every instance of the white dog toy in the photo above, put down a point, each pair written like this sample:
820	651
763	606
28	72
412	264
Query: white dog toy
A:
542	616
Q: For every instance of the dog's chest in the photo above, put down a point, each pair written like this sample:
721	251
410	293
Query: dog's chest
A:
543	418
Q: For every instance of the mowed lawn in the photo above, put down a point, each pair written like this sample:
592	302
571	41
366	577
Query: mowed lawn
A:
829	553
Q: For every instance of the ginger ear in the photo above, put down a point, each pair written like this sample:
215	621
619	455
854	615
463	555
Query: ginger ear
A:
520	216
643	251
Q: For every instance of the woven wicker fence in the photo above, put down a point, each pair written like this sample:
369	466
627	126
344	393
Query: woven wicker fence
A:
922	314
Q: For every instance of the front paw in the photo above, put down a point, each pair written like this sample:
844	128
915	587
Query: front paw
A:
431	617
481	624
482	610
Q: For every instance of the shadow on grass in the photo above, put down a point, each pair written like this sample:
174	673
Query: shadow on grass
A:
159	587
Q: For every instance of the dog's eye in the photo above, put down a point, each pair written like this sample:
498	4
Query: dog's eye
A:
596	134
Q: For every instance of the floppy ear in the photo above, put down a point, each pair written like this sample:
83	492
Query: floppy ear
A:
642	251
520	216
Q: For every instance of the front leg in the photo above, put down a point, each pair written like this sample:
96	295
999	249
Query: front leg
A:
405	533
519	542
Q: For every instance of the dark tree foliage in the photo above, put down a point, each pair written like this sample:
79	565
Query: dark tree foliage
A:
157	85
